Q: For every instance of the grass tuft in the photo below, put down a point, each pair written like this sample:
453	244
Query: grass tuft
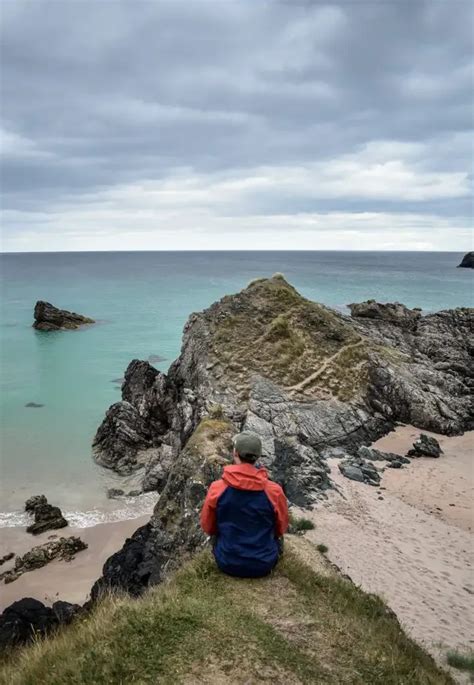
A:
299	525
463	662
324	549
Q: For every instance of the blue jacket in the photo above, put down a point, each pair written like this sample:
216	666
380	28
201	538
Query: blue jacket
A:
247	513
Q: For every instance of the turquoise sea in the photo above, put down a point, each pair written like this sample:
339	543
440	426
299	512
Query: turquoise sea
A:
141	301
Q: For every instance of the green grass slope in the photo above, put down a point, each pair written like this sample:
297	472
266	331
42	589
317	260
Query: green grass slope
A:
296	626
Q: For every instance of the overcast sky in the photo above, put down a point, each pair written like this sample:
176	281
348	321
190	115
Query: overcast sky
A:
236	124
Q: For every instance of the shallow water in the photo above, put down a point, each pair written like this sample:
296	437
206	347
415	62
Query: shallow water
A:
141	302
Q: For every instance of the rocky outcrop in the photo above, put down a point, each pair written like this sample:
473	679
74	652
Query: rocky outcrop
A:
25	620
50	318
133	432
467	261
64	548
46	516
425	446
174	531
310	381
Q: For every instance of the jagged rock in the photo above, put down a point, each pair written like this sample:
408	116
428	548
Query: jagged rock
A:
395	464
28	618
50	318
47	517
377	455
134	428
112	493
425	446
467	261
351	471
356	468
64	548
391	312
6	557
33	502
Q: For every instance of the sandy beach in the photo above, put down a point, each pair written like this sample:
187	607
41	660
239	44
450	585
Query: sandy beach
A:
410	540
69	581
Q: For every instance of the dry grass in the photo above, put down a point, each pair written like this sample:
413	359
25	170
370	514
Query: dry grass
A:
295	626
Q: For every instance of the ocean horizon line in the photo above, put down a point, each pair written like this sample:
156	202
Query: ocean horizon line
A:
230	251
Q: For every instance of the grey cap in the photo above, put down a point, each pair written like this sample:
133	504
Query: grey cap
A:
247	443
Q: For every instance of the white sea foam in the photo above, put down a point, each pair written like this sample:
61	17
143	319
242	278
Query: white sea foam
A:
132	507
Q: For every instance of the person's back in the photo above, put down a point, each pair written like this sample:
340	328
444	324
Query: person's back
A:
246	512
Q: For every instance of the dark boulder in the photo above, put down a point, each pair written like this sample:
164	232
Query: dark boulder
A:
64	548
50	318
6	557
113	493
356	468
28	618
467	261
47	517
390	313
377	455
34	501
425	446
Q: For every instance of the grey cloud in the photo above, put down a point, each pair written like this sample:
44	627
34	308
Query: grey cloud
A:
118	92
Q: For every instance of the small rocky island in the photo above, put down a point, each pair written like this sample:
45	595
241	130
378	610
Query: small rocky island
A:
467	261
50	318
312	382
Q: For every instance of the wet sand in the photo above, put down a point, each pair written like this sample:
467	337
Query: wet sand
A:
413	548
69	581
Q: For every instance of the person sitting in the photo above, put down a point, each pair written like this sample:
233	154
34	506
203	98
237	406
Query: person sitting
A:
246	512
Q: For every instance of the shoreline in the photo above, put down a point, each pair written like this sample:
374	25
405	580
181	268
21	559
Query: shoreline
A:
69	581
406	542
402	540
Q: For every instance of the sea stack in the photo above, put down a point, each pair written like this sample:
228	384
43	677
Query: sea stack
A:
467	261
50	318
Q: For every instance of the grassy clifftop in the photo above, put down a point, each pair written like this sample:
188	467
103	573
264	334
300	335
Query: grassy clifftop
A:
296	626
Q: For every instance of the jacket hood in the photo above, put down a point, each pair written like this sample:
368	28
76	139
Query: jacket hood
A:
245	477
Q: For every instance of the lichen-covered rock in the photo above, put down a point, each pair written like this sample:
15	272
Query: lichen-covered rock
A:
28	618
50	318
467	261
47	517
425	446
64	548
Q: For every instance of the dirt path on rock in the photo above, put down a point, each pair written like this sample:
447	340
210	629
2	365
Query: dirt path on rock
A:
309	379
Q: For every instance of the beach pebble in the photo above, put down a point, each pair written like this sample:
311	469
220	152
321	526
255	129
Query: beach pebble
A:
112	493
